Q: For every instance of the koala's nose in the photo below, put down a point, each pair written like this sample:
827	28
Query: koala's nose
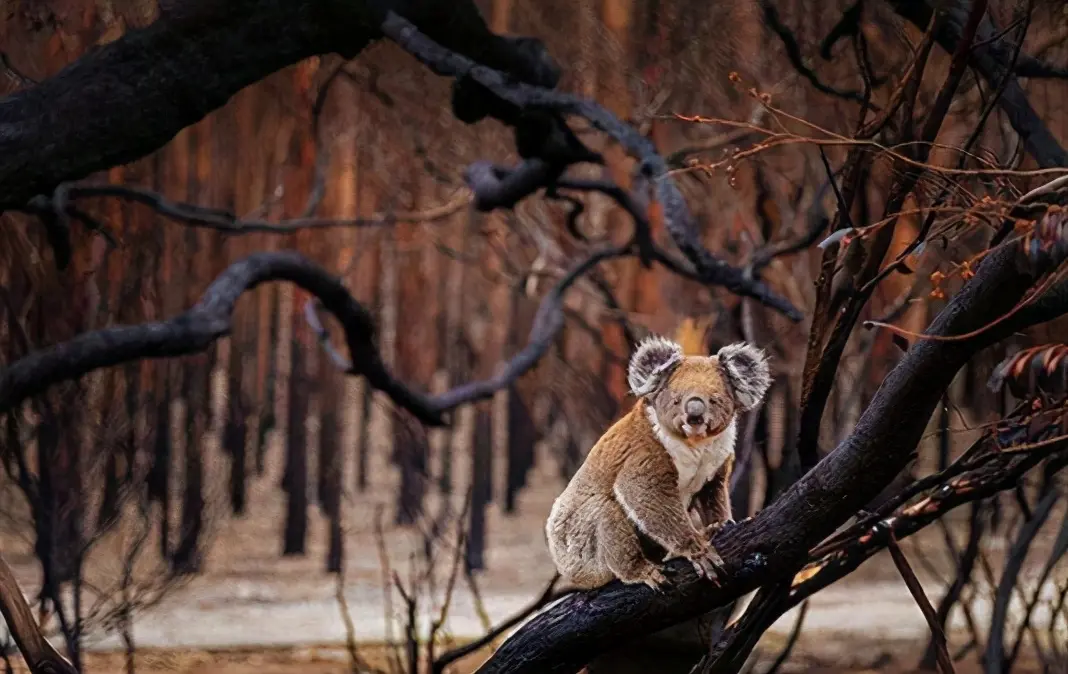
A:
695	409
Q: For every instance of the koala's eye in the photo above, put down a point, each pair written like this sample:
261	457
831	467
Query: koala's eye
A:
678	400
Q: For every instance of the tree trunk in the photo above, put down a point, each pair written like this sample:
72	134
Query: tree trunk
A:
295	479
234	437
481	489
331	469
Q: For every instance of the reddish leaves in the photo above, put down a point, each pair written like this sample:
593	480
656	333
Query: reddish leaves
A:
1040	370
1045	247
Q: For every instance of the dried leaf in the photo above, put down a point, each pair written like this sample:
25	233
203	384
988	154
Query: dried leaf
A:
1037	371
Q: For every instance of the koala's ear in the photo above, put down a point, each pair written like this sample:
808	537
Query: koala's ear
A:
747	369
652	363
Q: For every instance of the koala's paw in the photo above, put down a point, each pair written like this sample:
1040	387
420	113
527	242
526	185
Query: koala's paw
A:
708	564
653	578
716	527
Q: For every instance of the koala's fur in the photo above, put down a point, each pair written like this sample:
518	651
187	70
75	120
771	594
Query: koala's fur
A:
656	485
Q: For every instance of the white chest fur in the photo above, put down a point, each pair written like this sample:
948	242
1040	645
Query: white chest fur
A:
696	464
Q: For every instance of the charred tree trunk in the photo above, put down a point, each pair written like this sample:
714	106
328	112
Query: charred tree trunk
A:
234	436
411	452
186	559
522	436
267	421
109	501
481	490
160	475
331	469
295	479
366	401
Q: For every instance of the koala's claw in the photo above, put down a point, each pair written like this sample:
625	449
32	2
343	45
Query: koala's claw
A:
709	565
716	527
654	579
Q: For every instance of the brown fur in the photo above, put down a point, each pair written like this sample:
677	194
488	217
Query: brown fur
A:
658	480
592	539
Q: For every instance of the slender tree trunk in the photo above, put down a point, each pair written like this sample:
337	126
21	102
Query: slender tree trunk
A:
295	479
234	437
331	462
481	490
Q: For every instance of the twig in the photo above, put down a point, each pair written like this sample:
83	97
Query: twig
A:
791	641
356	661
913	583
793	52
225	221
994	658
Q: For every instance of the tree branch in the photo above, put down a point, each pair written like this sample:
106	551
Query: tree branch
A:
128	98
651	166
41	657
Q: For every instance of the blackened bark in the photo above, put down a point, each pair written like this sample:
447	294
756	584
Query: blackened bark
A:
128	98
234	435
481	490
364	440
295	479
159	476
331	468
522	436
411	453
186	558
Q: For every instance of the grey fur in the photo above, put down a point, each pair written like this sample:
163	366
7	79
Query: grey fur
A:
652	363
747	370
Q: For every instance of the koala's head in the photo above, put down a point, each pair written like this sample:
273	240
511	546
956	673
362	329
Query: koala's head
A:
696	397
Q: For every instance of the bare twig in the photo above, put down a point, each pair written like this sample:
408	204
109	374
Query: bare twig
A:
225	221
913	583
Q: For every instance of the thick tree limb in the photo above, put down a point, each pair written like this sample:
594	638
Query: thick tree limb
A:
130	97
778	539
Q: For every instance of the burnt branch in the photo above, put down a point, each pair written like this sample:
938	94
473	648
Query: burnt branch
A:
41	657
938	637
224	221
128	98
197	328
652	169
793	53
548	322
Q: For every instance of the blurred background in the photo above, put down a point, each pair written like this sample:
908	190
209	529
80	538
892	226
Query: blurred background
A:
253	508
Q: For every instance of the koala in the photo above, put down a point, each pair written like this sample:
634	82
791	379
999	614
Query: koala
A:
656	485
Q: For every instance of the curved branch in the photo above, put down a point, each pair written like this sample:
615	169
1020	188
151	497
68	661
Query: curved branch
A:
195	329
652	167
548	322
